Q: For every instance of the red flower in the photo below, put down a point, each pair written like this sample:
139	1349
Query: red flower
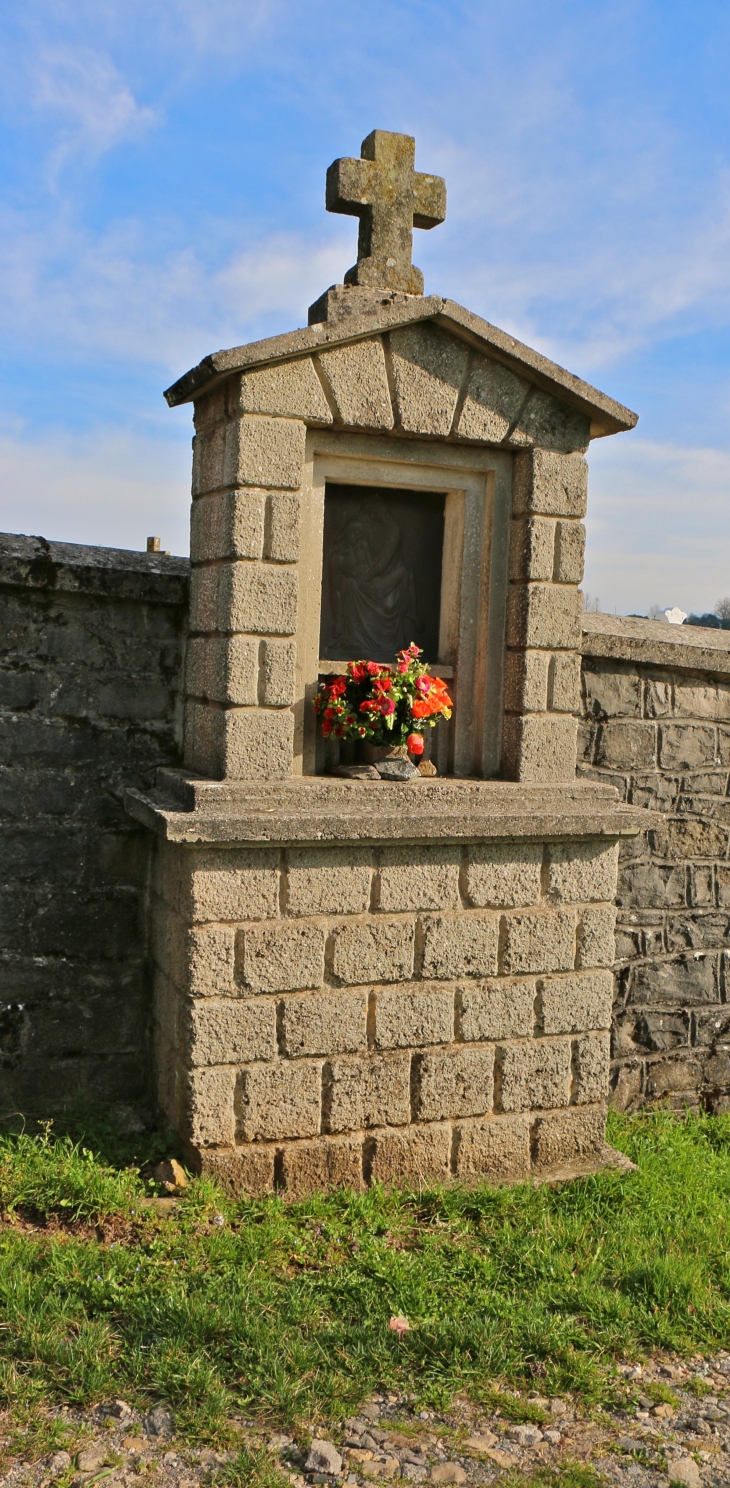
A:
337	687
373	668
414	743
357	671
387	707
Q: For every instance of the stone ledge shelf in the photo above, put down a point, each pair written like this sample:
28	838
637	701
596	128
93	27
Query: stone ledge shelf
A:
188	808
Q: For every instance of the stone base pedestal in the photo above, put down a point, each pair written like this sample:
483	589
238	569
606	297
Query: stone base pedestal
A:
359	981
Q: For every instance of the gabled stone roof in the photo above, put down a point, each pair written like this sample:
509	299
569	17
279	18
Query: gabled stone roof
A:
605	414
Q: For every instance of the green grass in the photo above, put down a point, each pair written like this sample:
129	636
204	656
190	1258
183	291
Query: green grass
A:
283	1311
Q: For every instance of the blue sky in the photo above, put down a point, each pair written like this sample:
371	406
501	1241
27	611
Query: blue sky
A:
162	172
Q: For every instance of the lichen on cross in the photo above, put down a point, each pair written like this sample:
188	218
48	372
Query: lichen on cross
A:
390	197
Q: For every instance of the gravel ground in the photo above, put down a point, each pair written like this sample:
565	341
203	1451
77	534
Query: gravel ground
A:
647	1444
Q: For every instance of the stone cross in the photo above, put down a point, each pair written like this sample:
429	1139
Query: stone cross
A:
390	197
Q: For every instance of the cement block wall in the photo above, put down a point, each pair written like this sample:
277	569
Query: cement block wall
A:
656	724
91	643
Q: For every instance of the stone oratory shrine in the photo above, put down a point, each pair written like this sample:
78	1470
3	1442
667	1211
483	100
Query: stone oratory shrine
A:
360	979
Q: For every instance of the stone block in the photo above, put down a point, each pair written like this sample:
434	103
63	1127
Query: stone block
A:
684	980
238	743
280	958
504	874
564	682
581	871
570	543
415	1155
258	597
209	1117
547	422
412	1016
494	396
564	1137
283	527
242	1170
494	1151
462	946
222	669
428	370
419	878
208	460
688	837
539	747
278	663
497	1010
596	936
544	616
266	452
549	484
323	1023
329	880
627	746
542	941
627	1080
687	746
322	1165
228	525
210	409
659	885
373	951
702	700
572	1004
279	1100
287	389
533	1076
359	382
453	1082
611	690
592	1067
670	1077
205	608
210	961
526	681
372	1091
228	885
231	1030
531	549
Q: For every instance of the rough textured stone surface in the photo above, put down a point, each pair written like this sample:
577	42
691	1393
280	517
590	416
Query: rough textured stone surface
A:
372	1091
581	871
497	1010
230	1031
504	874
283	528
568	1136
332	880
549	484
534	1075
330	1162
264	452
90	679
570	1004
454	1082
540	748
292	389
384	189
222	669
656	698
428	371
497	1149
539	942
279	1100
239	743
281	958
413	1155
460	946
334	1022
419	878
359	383
227	525
412	1016
494	397
380	951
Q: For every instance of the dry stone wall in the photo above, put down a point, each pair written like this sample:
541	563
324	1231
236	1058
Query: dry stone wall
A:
331	1015
90	670
657	725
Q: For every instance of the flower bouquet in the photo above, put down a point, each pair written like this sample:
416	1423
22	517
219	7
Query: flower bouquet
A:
387	706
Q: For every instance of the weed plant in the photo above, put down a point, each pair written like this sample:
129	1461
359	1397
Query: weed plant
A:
282	1310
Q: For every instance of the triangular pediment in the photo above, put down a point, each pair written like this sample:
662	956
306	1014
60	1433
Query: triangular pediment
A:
429	369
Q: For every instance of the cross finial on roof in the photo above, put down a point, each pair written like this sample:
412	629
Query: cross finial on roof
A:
390	197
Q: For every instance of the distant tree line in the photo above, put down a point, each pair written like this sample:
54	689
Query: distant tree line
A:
718	619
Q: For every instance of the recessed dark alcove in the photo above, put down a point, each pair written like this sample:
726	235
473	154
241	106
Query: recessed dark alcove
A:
381	572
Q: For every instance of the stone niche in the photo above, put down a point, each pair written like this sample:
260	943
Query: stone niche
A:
357	980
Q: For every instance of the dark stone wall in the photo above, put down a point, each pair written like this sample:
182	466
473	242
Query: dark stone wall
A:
91	650
661	733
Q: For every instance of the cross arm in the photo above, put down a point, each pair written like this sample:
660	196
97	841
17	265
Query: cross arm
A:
429	199
350	186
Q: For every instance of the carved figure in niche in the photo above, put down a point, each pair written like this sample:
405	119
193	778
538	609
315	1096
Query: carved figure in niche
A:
372	591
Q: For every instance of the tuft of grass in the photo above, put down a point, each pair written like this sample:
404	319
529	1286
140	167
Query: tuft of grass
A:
569	1475
251	1468
513	1407
50	1175
698	1386
282	1310
659	1393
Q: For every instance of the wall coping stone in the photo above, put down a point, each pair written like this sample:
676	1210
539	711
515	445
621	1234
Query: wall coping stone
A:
691	648
184	808
72	568
608	416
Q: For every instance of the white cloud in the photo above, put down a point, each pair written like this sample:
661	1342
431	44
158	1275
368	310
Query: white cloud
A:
658	525
110	488
93	105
